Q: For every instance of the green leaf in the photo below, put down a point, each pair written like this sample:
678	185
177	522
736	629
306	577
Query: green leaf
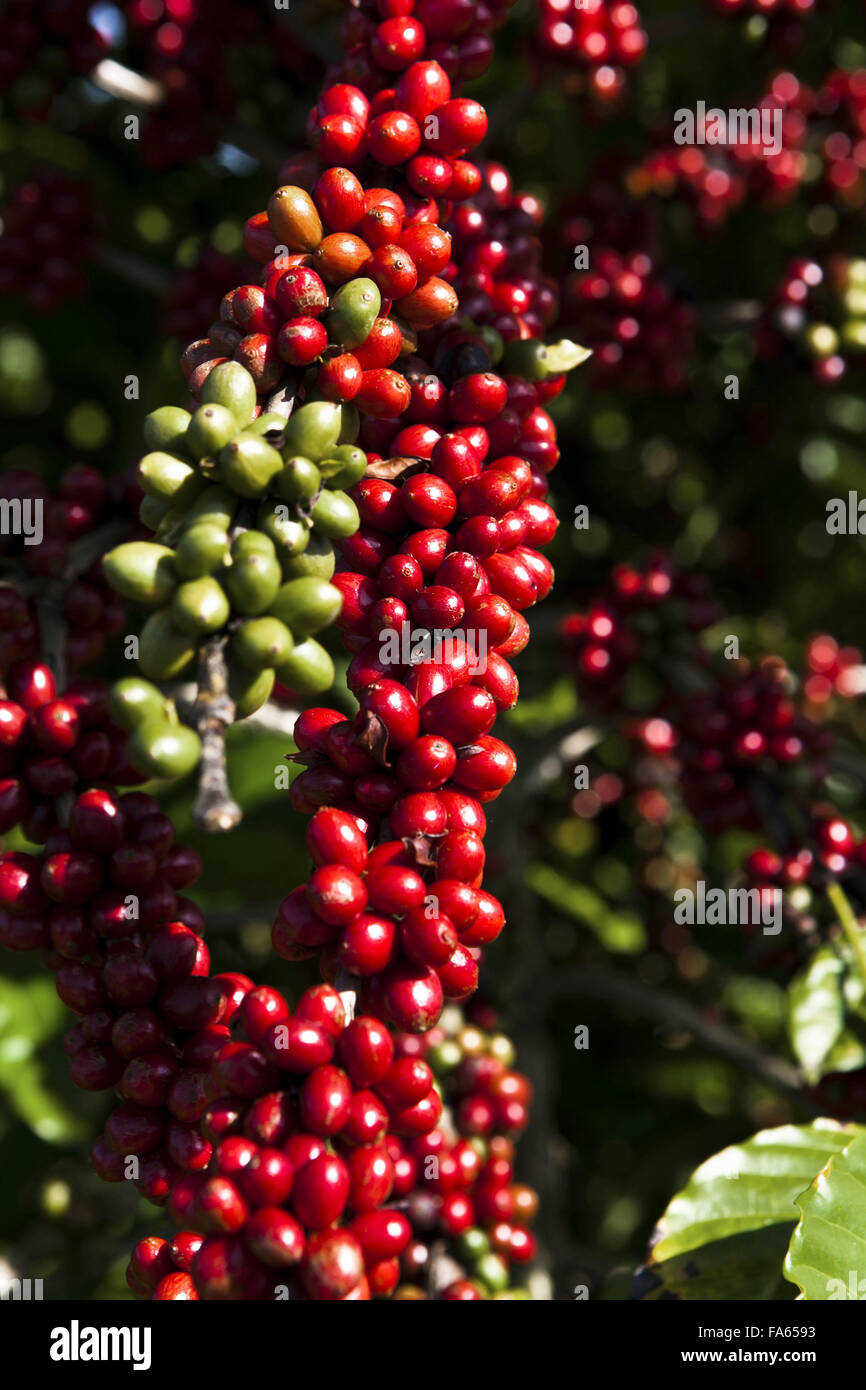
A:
747	1190
30	1013
816	1010
827	1255
618	931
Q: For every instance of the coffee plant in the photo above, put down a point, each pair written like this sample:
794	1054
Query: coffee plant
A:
431	733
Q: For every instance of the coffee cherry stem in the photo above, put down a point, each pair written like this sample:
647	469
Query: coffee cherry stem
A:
346	985
848	922
213	710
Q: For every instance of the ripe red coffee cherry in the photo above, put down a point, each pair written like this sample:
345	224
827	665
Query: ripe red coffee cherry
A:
175	952
240	1069
275	1237
333	1265
320	1191
220	1208
428	245
266	1180
371	1177
150	1262
323	1005
383	393
383	343
366	1049
437	608
422	88
380	226
390	703
30	684
339	197
72	879
393	138
489	767
297	1045
460	855
397	42
418	813
488	923
460	716
366	1122
333	838
301	293
412	996
259	1009
13	724
301	341
457	900
499	681
324	1101
137	1031
459	977
366	945
336	894
427	939
427	763
337	138
339	378
428	500
342	99
55	726
393	270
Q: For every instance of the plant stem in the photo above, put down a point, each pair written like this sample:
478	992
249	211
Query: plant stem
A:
213	711
849	924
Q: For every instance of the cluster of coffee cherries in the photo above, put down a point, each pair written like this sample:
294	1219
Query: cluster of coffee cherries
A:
41	549
817	314
43	43
294	1155
641	332
470	1218
384	37
51	745
49	232
245	507
601	37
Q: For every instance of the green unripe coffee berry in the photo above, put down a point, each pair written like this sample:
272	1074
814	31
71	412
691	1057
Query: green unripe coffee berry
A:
289	535
353	310
472	1244
203	549
444	1057
309	670
313	431
152	510
161	749
231	385
248	465
141	571
253	542
317	559
210	429
307	605
169	477
335	514
163	651
217	504
270	423
350	423
249	690
261	643
252	581
132	701
166	428
199	607
492	1270
298	481
346	466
